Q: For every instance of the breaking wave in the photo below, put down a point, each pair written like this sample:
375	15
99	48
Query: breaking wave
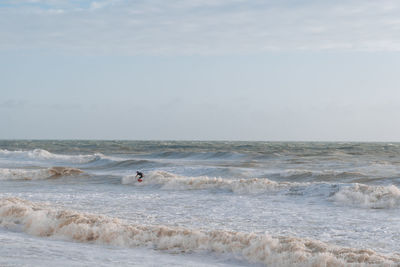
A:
171	181
40	220
21	174
41	154
361	195
369	196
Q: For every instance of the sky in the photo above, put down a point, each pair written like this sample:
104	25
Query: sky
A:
288	70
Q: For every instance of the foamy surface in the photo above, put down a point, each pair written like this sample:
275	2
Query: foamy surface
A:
34	219
200	204
19	249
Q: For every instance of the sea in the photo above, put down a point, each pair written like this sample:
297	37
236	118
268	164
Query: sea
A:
201	203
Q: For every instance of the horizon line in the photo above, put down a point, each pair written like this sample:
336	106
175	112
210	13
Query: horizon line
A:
200	140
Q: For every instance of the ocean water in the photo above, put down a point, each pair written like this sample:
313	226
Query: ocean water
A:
77	203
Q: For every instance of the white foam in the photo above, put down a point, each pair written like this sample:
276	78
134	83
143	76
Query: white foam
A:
41	220
41	154
20	249
24	174
176	182
369	196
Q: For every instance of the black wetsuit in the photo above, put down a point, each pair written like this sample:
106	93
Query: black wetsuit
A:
140	175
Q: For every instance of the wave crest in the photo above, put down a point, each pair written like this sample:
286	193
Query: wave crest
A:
42	220
21	174
171	181
41	154
377	197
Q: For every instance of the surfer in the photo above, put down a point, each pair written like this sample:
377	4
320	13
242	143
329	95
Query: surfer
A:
139	175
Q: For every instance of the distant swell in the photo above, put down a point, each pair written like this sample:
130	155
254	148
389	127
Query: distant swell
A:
35	219
172	181
41	154
23	174
369	196
131	163
320	175
198	155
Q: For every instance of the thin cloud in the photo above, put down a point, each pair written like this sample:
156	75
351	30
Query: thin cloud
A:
200	26
13	104
18	104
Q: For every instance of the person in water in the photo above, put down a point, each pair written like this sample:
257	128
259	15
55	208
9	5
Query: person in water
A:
139	175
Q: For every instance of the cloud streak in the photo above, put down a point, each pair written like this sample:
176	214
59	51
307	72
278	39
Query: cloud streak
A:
199	26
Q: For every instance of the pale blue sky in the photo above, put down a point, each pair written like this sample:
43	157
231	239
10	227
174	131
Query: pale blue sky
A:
200	69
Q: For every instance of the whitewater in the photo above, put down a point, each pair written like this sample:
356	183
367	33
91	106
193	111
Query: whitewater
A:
78	203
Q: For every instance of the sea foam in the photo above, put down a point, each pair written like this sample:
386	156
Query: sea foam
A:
45	221
171	181
361	195
41	154
369	196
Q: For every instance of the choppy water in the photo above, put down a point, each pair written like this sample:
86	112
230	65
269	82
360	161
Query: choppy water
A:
77	203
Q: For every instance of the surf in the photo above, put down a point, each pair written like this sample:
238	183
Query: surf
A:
38	174
46	221
44	155
369	196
